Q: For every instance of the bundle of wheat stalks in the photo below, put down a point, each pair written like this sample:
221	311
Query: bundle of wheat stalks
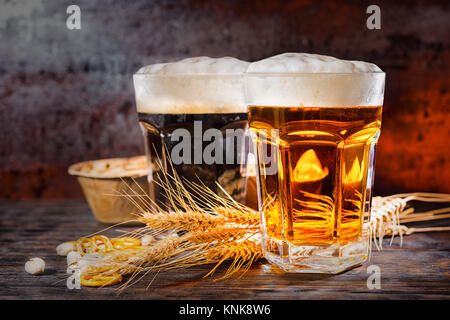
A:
389	214
197	229
204	228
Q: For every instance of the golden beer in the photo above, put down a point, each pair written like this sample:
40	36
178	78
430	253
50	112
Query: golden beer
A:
318	195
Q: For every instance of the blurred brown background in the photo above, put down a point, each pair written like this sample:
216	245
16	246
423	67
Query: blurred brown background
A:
67	95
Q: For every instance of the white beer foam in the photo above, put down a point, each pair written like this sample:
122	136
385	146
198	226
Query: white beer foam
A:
193	85
198	65
302	79
310	63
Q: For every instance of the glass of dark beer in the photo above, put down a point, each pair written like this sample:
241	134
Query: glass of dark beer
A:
194	124
316	135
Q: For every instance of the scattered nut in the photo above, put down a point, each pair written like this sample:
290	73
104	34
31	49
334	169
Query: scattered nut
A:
147	240
73	257
35	266
64	248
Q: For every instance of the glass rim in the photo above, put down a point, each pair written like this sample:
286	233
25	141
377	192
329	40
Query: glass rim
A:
187	75
255	74
299	74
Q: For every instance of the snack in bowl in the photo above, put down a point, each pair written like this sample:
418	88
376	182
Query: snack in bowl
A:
105	183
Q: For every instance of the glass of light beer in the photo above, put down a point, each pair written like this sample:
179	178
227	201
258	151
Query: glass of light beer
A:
194	117
315	134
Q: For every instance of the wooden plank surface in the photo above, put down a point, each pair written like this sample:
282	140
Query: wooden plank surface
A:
418	270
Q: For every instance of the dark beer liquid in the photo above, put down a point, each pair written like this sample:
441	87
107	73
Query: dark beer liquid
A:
321	191
158	132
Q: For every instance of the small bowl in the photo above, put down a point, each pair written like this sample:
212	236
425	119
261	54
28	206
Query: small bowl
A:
105	181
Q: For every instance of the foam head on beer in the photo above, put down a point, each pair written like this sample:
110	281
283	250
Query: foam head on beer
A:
199	85
302	79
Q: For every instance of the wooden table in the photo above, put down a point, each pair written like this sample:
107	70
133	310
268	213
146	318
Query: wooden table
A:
418	270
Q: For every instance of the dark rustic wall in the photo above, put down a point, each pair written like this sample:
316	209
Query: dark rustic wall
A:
67	96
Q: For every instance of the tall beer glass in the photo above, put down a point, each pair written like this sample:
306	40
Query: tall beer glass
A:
193	124
316	165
